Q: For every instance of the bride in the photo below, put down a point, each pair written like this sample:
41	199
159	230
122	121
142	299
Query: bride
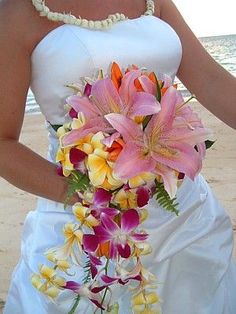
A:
192	253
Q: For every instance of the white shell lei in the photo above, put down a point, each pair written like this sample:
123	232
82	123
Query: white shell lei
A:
68	18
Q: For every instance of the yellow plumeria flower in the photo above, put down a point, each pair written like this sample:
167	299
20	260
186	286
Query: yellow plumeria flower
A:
78	122
88	143
63	265
100	170
83	214
63	129
73	237
141	179
143	214
149	310
126	199
47	281
63	156
143	301
141	248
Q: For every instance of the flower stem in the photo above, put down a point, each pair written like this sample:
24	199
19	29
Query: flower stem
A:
77	299
104	295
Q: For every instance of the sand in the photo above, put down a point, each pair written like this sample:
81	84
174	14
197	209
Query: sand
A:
219	170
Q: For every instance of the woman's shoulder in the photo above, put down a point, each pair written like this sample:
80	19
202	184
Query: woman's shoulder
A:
21	24
15	21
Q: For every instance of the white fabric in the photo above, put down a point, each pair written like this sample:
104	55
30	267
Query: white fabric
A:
192	253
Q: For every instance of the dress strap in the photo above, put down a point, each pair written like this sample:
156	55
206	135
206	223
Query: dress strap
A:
68	18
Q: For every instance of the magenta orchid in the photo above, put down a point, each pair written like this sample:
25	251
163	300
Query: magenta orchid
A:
119	237
100	204
87	291
123	276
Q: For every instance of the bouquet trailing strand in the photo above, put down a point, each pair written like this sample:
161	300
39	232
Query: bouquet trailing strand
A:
128	137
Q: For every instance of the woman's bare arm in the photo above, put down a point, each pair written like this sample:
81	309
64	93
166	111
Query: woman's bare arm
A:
18	164
214	87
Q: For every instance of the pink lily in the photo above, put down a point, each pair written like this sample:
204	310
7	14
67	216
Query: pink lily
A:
161	145
105	99
186	116
119	237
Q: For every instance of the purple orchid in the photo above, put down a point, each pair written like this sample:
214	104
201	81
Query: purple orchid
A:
92	293
120	237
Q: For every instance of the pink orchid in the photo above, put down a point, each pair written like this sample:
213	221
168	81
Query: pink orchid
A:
87	291
94	262
77	158
105	99
101	204
124	276
119	237
162	147
143	196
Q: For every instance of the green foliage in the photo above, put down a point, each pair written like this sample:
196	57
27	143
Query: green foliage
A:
209	144
146	121
159	87
55	126
87	271
77	182
164	199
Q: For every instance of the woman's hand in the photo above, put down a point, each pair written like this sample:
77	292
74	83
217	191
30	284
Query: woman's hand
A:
214	87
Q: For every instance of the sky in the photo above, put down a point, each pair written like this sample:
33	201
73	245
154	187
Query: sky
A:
209	17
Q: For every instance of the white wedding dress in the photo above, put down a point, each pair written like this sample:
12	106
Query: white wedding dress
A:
192	253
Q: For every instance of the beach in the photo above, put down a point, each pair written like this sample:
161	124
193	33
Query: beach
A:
219	169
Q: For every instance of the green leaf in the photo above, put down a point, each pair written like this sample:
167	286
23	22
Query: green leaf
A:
87	271
209	143
158	95
77	181
146	121
164	199
55	126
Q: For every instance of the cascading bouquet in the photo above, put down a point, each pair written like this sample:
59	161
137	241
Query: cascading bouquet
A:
128	137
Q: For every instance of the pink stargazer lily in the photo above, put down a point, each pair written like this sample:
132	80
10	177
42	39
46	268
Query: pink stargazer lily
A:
119	237
164	145
105	99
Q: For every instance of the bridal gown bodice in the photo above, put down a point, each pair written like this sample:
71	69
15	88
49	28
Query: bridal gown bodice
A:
191	253
70	52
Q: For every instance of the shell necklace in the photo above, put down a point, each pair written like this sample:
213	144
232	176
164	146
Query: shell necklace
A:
68	18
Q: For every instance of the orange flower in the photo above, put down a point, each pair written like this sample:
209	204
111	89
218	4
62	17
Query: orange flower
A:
115	149
103	249
116	75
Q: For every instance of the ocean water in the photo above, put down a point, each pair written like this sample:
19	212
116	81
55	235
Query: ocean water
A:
221	48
